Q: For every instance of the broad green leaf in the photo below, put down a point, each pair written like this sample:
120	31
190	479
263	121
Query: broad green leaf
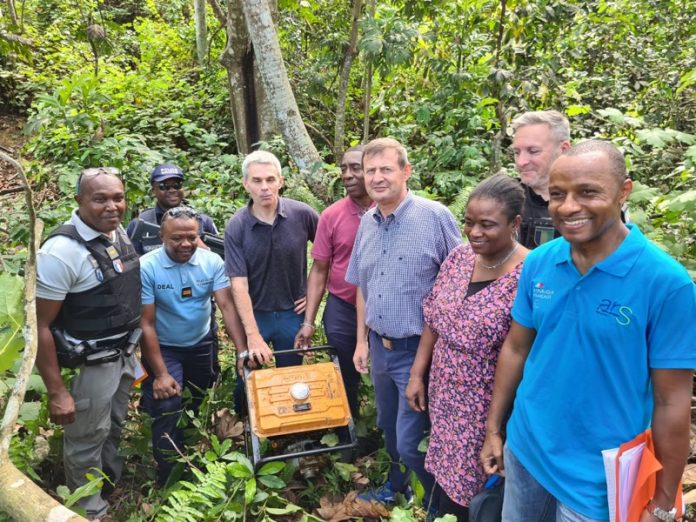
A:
330	440
29	411
290	508
642	193
271	468
239	470
345	470
574	110
658	138
250	490
272	481
612	114
684	202
11	319
400	514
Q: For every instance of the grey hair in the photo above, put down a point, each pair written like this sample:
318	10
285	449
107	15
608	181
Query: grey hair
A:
557	122
260	156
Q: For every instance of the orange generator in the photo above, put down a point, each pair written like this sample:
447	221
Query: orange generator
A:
284	403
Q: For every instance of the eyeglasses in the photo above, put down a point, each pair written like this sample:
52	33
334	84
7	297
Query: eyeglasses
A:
180	211
96	171
164	187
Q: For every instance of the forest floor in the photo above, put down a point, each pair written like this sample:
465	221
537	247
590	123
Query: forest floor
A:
11	141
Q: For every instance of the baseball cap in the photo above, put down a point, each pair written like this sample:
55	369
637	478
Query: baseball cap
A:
165	171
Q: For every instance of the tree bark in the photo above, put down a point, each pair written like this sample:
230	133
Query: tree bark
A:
282	100
344	77
13	12
9	37
236	58
201	31
368	84
497	145
20	498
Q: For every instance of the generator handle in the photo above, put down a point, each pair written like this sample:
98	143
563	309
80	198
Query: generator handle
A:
302	351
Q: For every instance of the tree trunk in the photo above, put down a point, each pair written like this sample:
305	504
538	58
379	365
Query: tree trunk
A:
282	100
237	58
201	31
368	84
20	498
351	51
13	12
496	149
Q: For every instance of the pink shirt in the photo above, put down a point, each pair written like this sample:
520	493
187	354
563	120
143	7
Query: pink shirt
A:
334	240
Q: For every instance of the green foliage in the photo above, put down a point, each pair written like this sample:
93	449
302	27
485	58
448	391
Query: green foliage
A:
11	319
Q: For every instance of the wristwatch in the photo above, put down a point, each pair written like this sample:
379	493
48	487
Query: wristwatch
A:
661	514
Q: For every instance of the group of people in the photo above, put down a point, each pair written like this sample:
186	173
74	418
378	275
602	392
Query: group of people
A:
518	353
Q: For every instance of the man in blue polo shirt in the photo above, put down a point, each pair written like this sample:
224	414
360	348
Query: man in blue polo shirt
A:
178	282
397	254
601	347
266	261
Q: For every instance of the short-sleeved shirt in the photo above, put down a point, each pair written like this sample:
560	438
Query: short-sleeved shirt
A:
272	257
181	294
338	226
395	261
586	384
205	223
63	265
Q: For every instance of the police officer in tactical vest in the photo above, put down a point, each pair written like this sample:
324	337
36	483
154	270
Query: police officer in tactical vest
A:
167	183
88	312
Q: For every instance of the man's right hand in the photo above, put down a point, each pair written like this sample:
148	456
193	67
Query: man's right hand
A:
415	394
61	407
492	454
259	351
361	357
303	339
165	386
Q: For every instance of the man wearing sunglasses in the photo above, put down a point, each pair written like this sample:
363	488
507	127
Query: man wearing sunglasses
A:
88	313
167	183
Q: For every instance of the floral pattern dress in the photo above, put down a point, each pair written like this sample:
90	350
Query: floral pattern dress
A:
471	331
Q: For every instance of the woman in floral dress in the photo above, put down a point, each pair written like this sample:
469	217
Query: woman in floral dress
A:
467	317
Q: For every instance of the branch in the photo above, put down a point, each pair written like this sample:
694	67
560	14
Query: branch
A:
218	12
319	133
11	190
16	39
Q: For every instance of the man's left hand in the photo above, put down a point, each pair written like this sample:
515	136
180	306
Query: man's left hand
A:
303	339
300	305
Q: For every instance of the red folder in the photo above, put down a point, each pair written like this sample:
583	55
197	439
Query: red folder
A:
644	487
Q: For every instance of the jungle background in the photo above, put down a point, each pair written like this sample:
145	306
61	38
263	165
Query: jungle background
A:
134	83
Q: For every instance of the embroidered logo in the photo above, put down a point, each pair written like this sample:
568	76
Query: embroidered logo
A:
622	314
540	292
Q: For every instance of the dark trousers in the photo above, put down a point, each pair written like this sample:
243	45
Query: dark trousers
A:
340	326
192	368
450	507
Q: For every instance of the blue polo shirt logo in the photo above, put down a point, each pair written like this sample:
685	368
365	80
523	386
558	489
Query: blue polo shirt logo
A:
621	313
161	286
542	293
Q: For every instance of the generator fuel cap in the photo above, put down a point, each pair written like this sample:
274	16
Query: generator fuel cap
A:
299	391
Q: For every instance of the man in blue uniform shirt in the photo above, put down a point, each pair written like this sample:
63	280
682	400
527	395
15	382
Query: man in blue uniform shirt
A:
398	250
601	347
178	281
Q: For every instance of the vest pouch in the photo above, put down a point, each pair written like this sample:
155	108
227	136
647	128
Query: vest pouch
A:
102	356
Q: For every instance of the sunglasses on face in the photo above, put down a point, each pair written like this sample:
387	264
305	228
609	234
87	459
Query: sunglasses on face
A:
163	186
96	171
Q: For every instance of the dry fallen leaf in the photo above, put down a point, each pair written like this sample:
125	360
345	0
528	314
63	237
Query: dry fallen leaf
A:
359	478
227	425
690	497
689	476
351	507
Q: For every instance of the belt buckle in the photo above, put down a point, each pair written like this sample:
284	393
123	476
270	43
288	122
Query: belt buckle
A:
387	343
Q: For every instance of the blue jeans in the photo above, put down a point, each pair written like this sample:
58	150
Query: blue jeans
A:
340	326
403	428
278	329
528	501
191	368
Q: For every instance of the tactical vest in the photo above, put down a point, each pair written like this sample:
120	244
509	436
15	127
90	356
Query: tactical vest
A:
152	242
537	227
113	306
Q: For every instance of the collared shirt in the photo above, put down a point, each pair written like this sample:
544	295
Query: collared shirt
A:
338	226
586	385
205	224
272	257
181	294
395	261
63	265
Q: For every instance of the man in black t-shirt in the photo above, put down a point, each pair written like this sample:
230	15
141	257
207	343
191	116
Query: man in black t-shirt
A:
540	137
